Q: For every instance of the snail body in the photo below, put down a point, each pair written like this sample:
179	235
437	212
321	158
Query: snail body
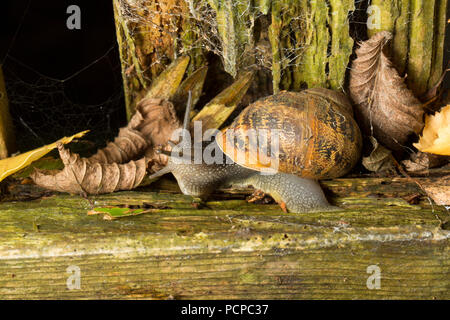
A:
317	138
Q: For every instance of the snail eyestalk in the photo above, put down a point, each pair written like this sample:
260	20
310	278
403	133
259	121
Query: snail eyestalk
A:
185	137
187	113
160	173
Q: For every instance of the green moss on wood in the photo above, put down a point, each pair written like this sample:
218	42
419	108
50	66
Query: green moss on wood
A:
395	18
420	44
264	6
146	47
300	35
310	40
284	274
235	22
313	36
401	39
440	22
274	38
389	13
189	36
341	42
419	30
228	248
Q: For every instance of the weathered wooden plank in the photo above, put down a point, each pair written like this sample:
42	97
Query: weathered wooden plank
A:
228	248
284	274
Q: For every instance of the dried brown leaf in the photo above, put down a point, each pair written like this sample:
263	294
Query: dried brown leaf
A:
151	126
82	176
432	93
194	84
385	107
380	159
122	164
422	161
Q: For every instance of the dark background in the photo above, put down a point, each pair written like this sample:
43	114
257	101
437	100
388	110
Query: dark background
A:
61	81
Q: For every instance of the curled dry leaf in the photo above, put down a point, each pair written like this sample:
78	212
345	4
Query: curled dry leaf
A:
82	176
380	159
122	164
116	167
436	134
385	108
422	161
161	121
151	125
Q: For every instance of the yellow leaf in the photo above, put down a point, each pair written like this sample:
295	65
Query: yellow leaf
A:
436	134
217	111
11	165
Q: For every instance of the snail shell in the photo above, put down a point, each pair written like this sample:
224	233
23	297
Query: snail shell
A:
318	137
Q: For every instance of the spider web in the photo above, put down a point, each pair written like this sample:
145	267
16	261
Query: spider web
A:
248	44
250	23
47	109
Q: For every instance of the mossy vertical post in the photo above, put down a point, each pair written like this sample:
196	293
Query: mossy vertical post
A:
440	22
147	35
7	142
421	44
308	42
418	27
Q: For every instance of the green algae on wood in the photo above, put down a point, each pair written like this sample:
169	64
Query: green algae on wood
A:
310	67
274	35
341	42
264	6
392	16
309	40
301	34
147	43
420	45
334	272
227	249
418	28
235	22
440	21
400	42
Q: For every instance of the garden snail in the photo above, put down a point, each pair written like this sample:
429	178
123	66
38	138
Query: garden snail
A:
318	139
